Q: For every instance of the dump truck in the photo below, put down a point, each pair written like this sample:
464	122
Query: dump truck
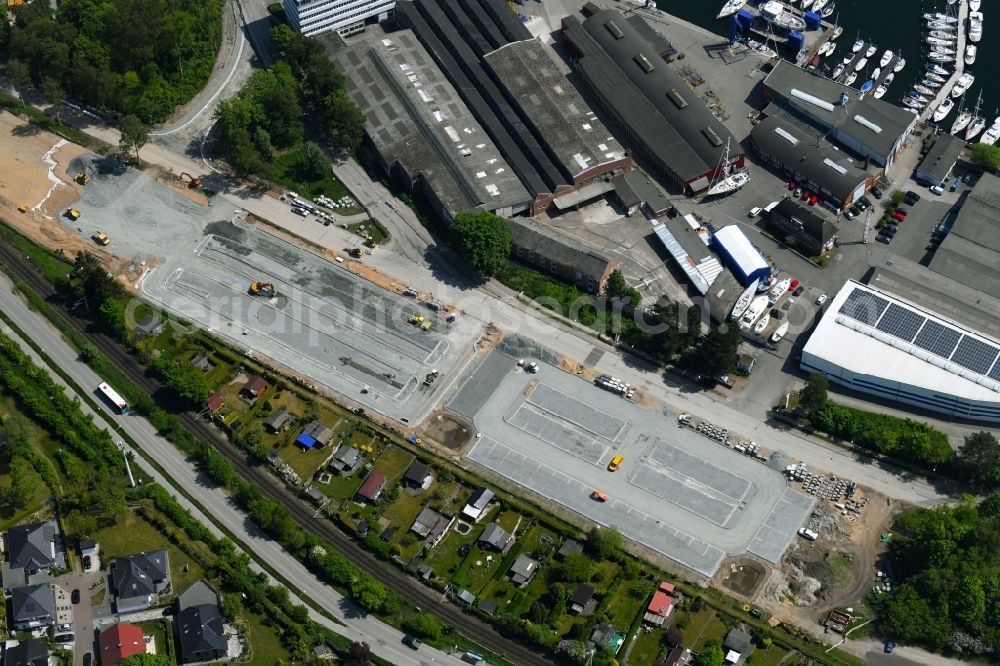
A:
262	289
72	213
101	239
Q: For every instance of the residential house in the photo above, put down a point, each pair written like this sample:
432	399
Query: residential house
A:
569	547
202	362
138	580
431	526
253	389
31	550
323	653
31	652
372	488
278	420
148	325
477	504
583	602
523	570
345	459
214	404
89	547
545	249
737	646
661	606
315	434
803	227
466	596
120	641
488	607
607	635
418	476
201	635
495	538
32	606
679	656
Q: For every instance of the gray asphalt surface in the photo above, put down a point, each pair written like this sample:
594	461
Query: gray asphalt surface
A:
211	500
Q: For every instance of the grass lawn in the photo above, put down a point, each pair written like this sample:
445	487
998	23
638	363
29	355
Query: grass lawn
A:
98	598
507	520
629	601
305	461
444	560
230	393
539	542
374	231
285	172
8	519
132	534
393	462
357	439
449	497
43	444
704	628
647	648
482	569
772	656
265	646
341	487
158	630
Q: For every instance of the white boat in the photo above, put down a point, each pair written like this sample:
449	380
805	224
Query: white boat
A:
743	302
826	11
964	83
888	79
938	16
837	71
913	94
943	109
937	69
871	51
970	54
993	133
819	5
923	90
876	73
756	308
961	122
880	91
774	12
777	290
729	179
978	123
858	45
860	64
730	8
940	57
886	58
824	49
806	4
847	59
833	47
935	41
900	64
946	35
975	26
932	85
780	333
944	50
912	103
837	32
850	78
762	323
937	78
974	5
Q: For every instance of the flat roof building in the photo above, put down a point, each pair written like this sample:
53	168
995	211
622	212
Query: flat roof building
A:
312	17
811	162
970	253
513	86
876	342
661	118
419	129
803	227
866	126
937	164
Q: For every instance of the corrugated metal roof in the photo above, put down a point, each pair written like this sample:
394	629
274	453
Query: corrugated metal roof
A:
682	258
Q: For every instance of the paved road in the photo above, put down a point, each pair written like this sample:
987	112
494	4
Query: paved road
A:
211	500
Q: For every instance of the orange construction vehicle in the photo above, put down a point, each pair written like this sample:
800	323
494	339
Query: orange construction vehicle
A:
262	289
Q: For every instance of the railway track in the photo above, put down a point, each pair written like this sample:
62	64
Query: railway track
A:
410	589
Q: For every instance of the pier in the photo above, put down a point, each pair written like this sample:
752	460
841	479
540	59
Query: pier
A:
963	15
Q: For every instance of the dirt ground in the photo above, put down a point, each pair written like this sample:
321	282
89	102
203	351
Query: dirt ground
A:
44	187
448	431
832	572
741	576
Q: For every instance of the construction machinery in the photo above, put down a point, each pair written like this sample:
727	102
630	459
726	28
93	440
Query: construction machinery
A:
101	239
82	178
193	182
72	213
370	243
22	208
262	289
355	252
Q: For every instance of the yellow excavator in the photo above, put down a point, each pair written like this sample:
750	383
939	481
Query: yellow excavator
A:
262	289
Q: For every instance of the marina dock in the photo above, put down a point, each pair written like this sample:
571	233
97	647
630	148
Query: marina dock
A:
963	15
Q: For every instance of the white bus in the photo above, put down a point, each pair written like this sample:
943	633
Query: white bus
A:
113	398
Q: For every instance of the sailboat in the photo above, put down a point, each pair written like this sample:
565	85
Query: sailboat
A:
743	302
729	180
780	333
777	290
963	120
978	123
762	323
730	8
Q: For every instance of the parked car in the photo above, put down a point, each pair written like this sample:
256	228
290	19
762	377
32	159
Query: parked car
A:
74	596
911	197
813	199
805	195
412	641
787	305
882	238
797	193
896	215
853	212
890	645
955	184
889	232
878	192
936	189
905	211
87	562
798	290
821	300
862	204
807	533
64	638
755	211
88	659
793	285
892	227
791	185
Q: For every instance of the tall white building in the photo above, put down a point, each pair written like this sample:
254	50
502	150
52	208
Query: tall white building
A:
311	17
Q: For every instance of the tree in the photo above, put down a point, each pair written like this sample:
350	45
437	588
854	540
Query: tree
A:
344	120
968	600
88	352
604	542
483	239
979	457
814	394
618	287
575	568
313	164
422	624
53	93
20	76
359	654
134	135
716	353
710	655
987	156
896	198
369	593
24	481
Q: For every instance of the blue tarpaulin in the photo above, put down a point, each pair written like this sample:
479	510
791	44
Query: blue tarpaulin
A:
306	440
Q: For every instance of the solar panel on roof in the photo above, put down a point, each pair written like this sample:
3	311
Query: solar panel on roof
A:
864	307
974	355
937	338
995	372
900	322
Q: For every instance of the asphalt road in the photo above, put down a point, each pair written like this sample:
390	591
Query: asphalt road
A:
212	500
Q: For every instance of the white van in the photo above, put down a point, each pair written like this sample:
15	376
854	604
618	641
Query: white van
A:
755	211
807	533
771	206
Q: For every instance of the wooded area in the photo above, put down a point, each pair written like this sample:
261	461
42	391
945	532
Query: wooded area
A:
143	57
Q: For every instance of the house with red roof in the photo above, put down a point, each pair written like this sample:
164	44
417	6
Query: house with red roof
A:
253	389
120	641
215	403
372	488
661	606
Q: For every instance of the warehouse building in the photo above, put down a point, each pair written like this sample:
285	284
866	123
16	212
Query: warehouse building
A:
512	84
548	251
743	259
619	60
970	253
870	128
419	131
312	17
803	227
806	159
937	164
879	343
